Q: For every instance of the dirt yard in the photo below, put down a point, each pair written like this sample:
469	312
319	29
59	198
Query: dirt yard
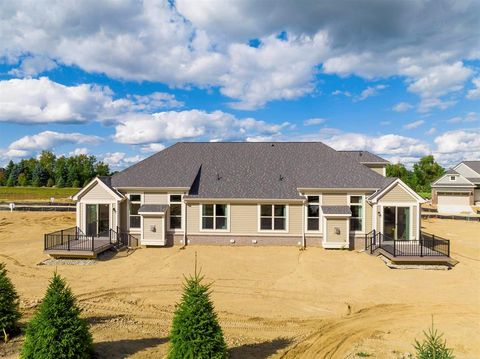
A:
273	302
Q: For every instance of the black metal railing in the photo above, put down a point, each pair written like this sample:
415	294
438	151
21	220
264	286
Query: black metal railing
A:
428	245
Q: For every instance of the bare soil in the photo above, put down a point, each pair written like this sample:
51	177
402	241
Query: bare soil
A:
273	302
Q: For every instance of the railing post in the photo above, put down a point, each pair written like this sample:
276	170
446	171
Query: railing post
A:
61	233
366	242
45	241
68	245
448	248
394	248
421	246
93	244
433	242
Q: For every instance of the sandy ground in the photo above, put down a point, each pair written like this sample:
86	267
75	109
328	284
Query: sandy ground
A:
273	302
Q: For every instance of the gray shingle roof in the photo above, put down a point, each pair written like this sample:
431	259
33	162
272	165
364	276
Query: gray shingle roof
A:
153	208
474	165
336	210
364	157
451	172
249	170
108	181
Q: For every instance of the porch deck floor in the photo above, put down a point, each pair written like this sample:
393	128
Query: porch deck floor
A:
80	248
408	253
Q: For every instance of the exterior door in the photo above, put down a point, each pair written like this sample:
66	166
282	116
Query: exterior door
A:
396	222
97	219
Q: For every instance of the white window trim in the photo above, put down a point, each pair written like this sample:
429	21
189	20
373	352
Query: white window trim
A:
320	221
363	211
413	236
200	224
259	216
452	178
167	220
137	229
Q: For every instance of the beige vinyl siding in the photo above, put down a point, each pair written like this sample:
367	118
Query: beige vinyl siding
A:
155	198
243	218
98	193
459	180
414	224
123	215
334	199
331	235
378	169
368	217
150	235
397	194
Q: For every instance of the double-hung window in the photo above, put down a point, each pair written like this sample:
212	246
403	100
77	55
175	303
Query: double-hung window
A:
214	217
313	213
134	205
175	211
273	217
356	206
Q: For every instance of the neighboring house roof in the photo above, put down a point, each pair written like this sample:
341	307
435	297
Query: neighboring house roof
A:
103	181
451	171
249	170
345	210
364	157
474	165
153	208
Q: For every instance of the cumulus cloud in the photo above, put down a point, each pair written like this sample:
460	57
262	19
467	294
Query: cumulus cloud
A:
369	92
152	147
206	43
414	124
119	160
455	146
402	107
178	125
469	117
45	101
475	92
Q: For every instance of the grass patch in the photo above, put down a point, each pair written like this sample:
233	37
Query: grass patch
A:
363	355
36	193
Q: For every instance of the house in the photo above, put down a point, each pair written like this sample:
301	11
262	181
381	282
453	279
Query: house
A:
458	189
273	193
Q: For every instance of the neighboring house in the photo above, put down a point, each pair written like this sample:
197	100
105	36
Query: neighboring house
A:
458	188
276	193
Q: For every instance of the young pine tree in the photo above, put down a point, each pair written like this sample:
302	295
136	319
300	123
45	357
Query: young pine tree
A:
433	346
9	314
57	331
195	331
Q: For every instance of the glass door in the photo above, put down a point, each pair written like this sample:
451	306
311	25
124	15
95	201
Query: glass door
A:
97	219
396	222
91	220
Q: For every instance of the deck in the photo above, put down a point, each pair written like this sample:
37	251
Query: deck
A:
73	243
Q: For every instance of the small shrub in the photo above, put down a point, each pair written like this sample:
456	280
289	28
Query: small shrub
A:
57	331
433	346
195	331
363	355
9	314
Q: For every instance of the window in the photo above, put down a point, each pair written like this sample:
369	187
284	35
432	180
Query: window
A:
356	206
175	211
214	216
273	217
452	178
313	213
135	203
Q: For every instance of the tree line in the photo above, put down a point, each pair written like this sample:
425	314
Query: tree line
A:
422	175
49	170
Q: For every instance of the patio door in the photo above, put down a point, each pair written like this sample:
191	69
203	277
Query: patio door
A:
97	219
396	222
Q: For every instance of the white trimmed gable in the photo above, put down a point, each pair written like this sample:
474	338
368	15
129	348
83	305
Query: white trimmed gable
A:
466	171
96	190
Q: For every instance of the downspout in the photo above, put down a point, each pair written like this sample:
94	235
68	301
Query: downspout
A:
303	224
185	224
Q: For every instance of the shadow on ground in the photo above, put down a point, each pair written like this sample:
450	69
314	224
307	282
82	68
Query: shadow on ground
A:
124	348
259	350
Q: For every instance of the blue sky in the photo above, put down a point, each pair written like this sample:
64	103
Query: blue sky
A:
123	80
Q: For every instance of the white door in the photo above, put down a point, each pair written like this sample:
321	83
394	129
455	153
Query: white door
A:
457	199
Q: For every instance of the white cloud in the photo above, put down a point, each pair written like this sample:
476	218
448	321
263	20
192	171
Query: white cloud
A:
204	44
402	107
314	121
369	92
152	147
475	92
48	140
78	151
431	131
469	117
339	92
45	101
177	125
414	124
455	146
119	160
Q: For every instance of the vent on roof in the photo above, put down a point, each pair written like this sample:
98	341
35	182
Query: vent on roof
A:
218	177
280	178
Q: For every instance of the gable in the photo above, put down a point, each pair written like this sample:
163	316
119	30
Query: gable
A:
445	180
466	171
96	191
397	194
